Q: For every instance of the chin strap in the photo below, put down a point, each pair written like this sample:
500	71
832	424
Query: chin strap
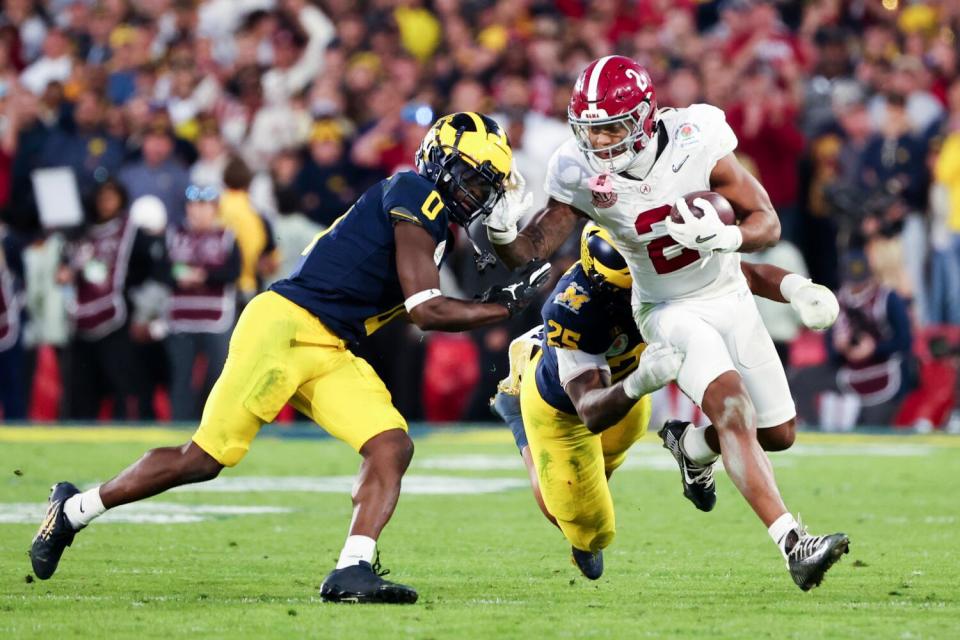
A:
482	259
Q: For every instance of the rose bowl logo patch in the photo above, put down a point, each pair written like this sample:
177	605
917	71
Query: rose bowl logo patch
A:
602	194
687	134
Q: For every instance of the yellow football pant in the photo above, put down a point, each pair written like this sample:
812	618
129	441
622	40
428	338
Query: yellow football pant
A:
573	464
279	353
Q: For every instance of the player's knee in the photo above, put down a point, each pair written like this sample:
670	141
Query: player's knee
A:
592	534
779	438
199	464
727	403
393	448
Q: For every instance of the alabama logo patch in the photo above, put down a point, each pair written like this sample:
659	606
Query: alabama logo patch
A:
602	194
573	297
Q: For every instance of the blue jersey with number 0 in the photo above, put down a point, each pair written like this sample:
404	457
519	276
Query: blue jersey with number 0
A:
347	276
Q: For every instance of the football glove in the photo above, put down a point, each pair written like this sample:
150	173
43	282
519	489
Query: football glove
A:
707	233
506	215
659	364
815	304
518	294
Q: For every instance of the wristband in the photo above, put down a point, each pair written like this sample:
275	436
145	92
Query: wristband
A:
420	298
735	239
632	386
502	237
790	284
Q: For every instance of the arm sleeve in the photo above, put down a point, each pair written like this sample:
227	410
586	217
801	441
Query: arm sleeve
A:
572	362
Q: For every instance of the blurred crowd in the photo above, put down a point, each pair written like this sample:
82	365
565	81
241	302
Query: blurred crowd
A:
210	139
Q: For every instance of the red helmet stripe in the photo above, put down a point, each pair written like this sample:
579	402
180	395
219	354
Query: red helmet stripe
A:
595	78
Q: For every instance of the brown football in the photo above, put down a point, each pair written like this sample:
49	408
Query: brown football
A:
721	204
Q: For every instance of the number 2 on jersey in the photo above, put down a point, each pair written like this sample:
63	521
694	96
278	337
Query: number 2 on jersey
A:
661	263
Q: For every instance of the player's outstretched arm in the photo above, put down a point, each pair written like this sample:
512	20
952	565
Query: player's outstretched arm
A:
601	405
759	223
431	310
546	231
815	304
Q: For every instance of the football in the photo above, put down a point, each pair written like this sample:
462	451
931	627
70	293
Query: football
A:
721	204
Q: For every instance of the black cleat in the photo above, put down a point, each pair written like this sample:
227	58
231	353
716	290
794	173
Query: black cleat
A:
55	534
363	583
811	556
698	485
590	564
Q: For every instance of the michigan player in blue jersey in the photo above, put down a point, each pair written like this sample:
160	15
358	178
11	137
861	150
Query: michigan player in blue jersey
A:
377	262
576	399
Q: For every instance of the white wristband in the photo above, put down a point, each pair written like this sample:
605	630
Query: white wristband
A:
790	284
420	298
502	237
633	386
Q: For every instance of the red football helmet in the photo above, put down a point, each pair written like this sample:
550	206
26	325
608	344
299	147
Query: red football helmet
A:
615	95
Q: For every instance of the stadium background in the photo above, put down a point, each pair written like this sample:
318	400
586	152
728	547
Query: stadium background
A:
848	111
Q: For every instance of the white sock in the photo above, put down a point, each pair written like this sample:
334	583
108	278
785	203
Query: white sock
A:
355	549
694	445
780	528
82	508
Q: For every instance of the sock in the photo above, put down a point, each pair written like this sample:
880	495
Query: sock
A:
694	445
355	550
781	529
82	508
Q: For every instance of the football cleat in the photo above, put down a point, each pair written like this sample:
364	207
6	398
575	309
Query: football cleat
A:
55	534
698	484
590	564
364	584
809	558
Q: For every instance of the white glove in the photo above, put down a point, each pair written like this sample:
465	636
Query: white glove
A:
814	303
659	364
515	204
703	234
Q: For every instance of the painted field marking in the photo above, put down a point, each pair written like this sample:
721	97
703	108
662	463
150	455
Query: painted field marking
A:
412	485
142	513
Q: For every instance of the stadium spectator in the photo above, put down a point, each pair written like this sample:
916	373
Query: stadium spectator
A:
159	173
871	367
328	183
84	145
253	234
291	228
13	391
101	265
205	263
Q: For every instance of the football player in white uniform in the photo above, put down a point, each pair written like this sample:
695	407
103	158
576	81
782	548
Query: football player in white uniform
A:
625	168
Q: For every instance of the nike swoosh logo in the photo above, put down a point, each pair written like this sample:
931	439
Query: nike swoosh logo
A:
81	506
701	239
686	476
677	167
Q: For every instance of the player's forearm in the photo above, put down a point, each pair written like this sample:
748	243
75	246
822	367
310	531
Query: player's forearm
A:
764	280
760	230
600	409
541	236
450	314
516	253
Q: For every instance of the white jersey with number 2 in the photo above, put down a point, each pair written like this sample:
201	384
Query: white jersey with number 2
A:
636	207
697	302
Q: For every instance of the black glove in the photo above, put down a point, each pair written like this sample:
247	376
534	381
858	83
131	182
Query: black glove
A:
518	294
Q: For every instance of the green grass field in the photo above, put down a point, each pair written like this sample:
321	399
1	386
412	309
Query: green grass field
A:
245	560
